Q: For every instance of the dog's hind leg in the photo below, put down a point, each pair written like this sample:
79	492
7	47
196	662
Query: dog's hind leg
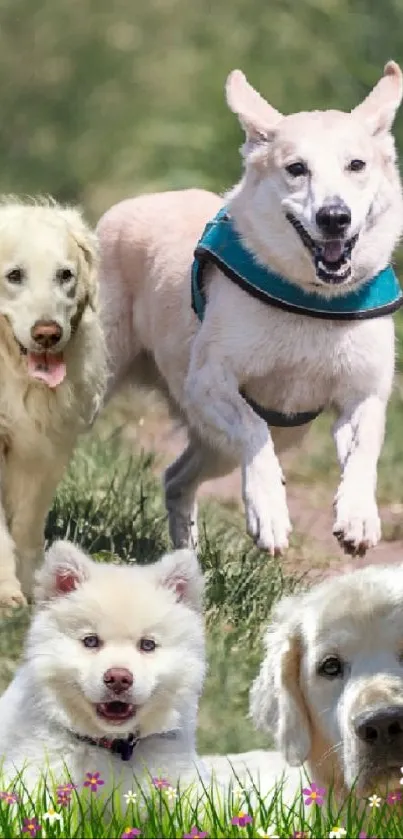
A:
196	464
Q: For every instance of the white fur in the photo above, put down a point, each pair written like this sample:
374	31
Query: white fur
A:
39	425
59	682
287	362
359	617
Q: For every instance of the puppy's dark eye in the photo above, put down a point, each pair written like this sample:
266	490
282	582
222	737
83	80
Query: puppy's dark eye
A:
64	275
297	169
332	667
356	165
15	276
147	645
92	641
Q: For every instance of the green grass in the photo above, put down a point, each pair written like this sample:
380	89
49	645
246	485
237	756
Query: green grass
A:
102	812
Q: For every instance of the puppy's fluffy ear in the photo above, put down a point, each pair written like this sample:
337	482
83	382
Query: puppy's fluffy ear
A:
379	108
257	117
276	700
65	568
180	572
87	242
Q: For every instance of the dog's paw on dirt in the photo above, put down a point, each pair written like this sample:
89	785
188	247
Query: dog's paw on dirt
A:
357	527
11	597
267	518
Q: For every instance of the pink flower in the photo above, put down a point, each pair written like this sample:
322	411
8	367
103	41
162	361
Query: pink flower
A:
315	795
195	833
299	834
93	781
393	797
161	783
31	826
63	799
9	797
241	820
130	833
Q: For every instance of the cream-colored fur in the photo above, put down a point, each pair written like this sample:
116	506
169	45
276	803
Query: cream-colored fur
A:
57	691
38	424
287	362
314	717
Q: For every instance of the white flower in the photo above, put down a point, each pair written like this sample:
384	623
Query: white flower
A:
337	833
268	833
130	796
374	801
51	816
170	793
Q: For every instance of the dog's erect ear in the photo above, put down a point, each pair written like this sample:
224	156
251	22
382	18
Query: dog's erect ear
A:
379	108
276	700
257	117
180	572
64	569
87	242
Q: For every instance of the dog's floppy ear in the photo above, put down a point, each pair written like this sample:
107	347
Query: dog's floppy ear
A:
87	242
64	569
276	700
180	572
257	117
379	108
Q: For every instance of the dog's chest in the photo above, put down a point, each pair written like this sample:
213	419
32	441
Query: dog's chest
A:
305	364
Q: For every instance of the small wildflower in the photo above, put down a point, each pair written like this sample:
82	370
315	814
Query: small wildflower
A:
268	833
9	797
63	799
241	820
299	834
337	833
394	797
31	826
65	789
195	833
130	833
314	795
93	781
51	816
161	783
374	801
130	796
170	793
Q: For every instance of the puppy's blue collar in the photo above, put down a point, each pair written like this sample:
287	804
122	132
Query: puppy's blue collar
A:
221	245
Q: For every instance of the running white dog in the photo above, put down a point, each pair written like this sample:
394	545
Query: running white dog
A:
294	292
112	672
53	371
330	687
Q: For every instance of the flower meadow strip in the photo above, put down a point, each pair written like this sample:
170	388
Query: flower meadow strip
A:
87	810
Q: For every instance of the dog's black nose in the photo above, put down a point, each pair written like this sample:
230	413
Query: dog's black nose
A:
47	333
118	679
333	218
380	727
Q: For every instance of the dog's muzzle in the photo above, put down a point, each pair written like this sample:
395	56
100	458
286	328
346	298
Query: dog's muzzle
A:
332	255
379	738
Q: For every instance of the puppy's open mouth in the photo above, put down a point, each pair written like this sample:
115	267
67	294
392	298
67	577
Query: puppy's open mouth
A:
46	366
332	256
115	711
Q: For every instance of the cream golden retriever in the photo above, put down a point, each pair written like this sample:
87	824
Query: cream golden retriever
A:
319	204
53	371
330	687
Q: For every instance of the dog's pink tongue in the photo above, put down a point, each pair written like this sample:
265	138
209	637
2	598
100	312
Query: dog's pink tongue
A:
332	251
47	367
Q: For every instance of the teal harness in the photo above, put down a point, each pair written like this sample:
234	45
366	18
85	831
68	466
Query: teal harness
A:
222	246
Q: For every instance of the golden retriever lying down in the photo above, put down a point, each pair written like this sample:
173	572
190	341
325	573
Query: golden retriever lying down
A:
53	371
330	687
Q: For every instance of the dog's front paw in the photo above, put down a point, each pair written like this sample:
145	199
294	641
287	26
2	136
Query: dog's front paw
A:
267	518
357	526
11	596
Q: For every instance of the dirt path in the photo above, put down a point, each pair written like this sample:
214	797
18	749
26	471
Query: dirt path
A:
310	507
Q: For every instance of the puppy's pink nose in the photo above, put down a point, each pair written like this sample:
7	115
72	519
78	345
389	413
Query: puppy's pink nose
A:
47	333
118	679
